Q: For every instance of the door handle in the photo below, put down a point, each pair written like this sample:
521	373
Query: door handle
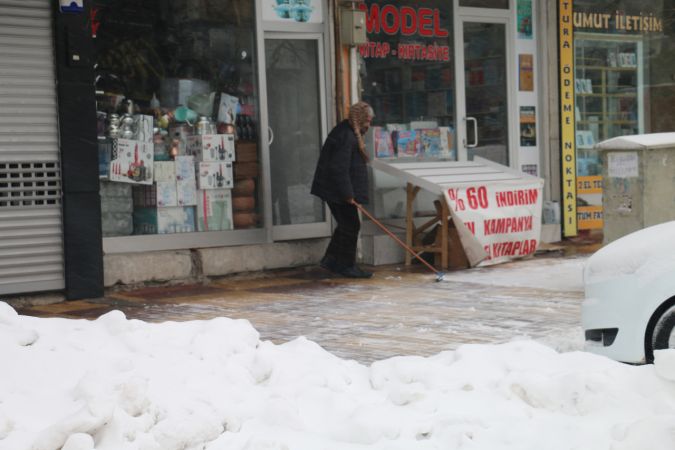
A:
475	132
270	134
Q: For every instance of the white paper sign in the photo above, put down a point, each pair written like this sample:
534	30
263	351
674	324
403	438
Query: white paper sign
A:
497	221
293	11
622	164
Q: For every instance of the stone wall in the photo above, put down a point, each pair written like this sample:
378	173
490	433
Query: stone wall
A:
195	264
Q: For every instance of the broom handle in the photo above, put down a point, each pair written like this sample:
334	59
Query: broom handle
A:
394	237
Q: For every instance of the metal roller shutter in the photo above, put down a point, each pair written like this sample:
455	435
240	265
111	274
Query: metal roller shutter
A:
31	232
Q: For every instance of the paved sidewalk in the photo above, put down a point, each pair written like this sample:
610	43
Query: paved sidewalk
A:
400	311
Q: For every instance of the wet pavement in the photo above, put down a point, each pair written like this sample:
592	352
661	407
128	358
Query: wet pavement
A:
400	311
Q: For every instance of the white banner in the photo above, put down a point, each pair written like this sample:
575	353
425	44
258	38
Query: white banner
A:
497	221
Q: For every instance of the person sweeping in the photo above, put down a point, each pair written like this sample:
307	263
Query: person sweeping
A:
341	180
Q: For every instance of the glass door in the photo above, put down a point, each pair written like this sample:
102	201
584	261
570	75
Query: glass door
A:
484	102
297	123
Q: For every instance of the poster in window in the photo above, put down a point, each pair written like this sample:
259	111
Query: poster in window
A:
528	126
526	73
589	202
524	19
292	11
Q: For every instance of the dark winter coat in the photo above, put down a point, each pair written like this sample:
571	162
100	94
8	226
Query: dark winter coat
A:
341	172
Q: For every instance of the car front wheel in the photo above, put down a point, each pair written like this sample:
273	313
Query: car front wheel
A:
664	331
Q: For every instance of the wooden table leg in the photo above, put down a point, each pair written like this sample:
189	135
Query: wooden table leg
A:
445	212
410	231
409	224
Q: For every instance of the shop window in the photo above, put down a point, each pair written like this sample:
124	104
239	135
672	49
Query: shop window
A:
177	110
407	75
407	70
624	70
606	91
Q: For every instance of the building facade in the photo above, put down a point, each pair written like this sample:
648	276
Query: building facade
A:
162	140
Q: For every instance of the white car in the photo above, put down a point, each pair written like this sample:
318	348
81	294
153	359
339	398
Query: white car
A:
629	310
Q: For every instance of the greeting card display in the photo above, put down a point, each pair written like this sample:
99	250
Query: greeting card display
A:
407	143
430	142
384	146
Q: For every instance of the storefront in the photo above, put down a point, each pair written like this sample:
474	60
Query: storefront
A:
617	78
210	114
451	80
180	126
209	119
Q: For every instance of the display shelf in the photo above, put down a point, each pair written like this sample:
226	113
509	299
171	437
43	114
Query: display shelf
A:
628	95
483	58
410	91
419	91
485	113
607	74
474	86
608	69
618	122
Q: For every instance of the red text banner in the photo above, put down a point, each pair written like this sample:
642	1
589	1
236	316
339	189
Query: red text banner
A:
497	221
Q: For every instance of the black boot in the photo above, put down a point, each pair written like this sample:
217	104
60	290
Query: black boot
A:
329	263
355	272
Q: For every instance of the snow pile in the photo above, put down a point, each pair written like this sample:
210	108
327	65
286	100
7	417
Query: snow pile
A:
646	253
117	384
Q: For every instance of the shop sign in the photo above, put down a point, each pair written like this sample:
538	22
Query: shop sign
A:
568	144
406	21
618	21
589	211
504	218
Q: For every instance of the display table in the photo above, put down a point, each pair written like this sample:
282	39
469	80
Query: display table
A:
496	210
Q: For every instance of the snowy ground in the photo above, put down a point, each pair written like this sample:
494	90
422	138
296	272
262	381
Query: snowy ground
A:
554	274
118	384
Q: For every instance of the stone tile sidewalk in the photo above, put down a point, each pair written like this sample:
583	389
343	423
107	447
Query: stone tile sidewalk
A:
400	311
